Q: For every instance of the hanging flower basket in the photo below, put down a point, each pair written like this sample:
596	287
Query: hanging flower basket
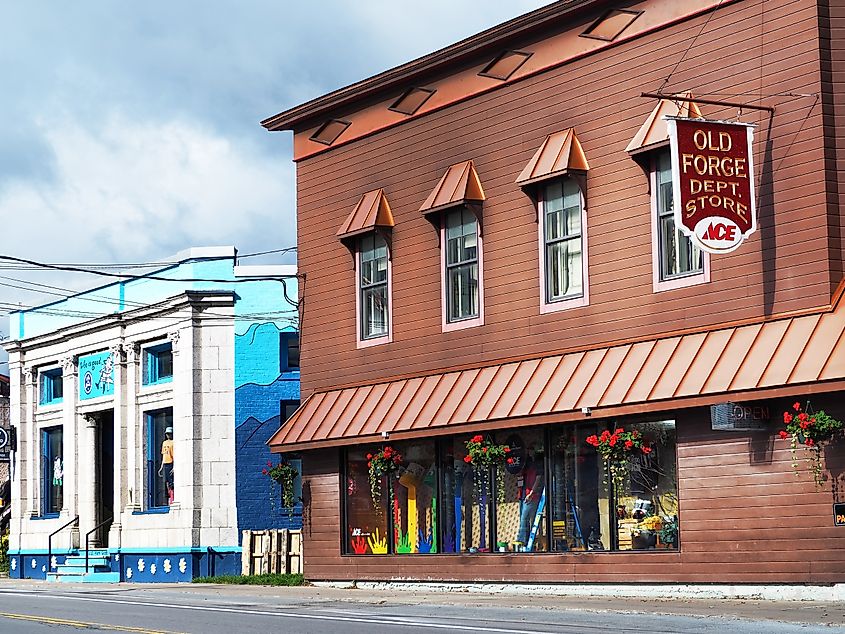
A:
482	454
284	475
384	462
616	449
812	430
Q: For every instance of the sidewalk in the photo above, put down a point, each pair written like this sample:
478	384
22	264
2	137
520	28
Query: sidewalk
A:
809	612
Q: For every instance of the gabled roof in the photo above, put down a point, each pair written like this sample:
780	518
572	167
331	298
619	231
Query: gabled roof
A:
372	211
560	153
790	351
459	185
492	39
654	130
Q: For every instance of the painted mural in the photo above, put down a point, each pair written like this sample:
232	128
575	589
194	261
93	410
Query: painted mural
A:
96	375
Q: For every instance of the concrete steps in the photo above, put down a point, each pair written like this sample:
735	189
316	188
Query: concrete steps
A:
73	569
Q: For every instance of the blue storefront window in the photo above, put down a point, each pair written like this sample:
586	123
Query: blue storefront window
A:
158	364
160	459
51	387
52	471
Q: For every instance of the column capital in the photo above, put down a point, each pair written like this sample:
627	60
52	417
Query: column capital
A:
29	376
69	364
90	421
132	350
173	338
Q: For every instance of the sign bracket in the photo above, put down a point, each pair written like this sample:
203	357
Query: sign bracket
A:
710	102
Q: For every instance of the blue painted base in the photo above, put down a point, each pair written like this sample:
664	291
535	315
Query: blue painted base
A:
173	566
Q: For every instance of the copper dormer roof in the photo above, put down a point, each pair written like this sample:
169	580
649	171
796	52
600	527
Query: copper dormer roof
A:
372	211
559	154
699	368
654	130
459	185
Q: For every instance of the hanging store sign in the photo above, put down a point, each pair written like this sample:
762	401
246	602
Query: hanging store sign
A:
96	375
713	182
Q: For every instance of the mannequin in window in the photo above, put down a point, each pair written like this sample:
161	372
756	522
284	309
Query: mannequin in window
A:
166	468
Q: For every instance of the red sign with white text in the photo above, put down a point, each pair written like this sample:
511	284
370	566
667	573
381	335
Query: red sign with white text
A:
713	180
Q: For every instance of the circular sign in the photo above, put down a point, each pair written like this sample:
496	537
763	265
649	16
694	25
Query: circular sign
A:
4	438
719	234
89	382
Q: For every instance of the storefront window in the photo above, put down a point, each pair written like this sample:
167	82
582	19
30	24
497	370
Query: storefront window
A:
647	506
52	471
555	493
580	503
466	495
521	506
414	500
366	520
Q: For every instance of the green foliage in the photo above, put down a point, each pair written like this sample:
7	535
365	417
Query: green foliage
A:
4	553
255	580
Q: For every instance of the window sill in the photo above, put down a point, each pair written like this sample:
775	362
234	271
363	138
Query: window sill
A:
451	326
52	406
681	282
157	510
46	516
564	304
375	341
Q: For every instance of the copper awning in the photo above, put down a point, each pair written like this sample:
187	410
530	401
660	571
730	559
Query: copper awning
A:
654	131
558	155
372	211
459	185
664	373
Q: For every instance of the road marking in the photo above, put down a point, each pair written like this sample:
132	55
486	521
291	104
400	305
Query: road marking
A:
46	620
293	615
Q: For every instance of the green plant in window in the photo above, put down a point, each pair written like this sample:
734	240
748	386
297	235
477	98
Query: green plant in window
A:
669	532
284	475
812	430
382	463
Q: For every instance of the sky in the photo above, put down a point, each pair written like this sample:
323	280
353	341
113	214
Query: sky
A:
130	131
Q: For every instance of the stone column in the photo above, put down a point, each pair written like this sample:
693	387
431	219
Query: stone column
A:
87	474
29	444
183	419
134	428
119	472
21	489
70	448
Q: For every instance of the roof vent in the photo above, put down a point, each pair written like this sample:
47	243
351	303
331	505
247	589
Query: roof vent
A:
412	100
329	131
611	24
505	65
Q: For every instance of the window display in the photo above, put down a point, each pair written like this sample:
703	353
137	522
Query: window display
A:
573	487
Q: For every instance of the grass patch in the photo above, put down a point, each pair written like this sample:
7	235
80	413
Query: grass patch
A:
255	580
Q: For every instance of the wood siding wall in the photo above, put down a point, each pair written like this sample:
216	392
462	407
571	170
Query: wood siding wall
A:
744	518
753	46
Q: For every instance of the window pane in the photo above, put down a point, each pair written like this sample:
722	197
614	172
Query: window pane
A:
580	502
678	255
463	292
647	505
292	343
374	311
414	502
52	470
521	513
366	525
466	496
461	237
564	272
160	458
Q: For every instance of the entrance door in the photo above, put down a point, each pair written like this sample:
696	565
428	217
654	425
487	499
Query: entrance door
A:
105	475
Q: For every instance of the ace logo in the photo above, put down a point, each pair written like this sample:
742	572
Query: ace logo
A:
712	171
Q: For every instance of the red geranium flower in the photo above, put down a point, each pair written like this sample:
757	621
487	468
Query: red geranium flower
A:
629	444
369	456
507	449
264	472
809	442
646	449
510	460
467	459
477	438
269	464
787	418
796	406
612	440
783	434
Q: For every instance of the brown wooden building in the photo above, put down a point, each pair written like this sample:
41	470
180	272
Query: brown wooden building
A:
488	246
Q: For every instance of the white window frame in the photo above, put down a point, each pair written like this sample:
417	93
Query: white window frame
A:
368	342
681	281
564	303
471	322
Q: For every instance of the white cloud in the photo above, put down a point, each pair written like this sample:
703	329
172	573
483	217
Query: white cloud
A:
129	191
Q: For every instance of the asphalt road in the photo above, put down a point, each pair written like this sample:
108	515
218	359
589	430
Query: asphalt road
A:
211	610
